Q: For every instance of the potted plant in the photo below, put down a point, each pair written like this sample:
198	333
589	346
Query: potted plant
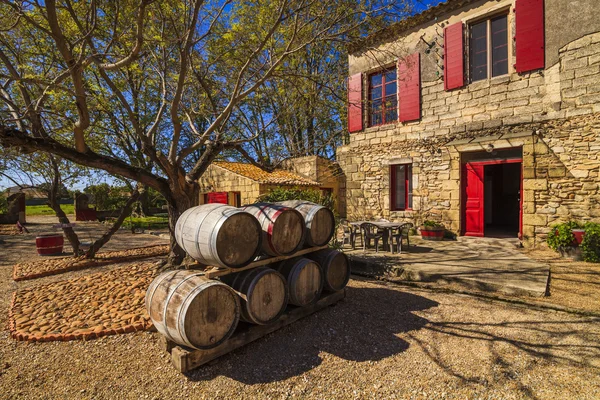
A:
431	230
565	239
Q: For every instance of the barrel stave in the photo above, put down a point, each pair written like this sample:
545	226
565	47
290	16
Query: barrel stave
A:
192	310
283	228
335	266
220	235
304	278
319	221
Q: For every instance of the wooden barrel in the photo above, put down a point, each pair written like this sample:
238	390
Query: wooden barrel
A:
319	220
219	235
50	244
304	278
283	228
192	310
335	266
263	292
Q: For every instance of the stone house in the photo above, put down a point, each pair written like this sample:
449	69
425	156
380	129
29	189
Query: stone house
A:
483	115
237	183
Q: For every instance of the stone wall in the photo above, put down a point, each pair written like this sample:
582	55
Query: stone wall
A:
217	179
326	172
560	173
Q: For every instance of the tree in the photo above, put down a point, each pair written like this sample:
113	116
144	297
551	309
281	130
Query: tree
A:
153	91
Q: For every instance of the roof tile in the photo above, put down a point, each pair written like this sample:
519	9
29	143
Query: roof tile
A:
278	176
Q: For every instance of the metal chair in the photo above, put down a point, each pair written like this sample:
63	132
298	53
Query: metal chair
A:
371	231
351	232
399	233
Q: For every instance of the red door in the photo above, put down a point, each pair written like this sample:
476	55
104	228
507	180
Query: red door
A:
473	204
216	197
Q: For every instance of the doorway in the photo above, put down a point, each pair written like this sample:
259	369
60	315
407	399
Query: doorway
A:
491	193
502	187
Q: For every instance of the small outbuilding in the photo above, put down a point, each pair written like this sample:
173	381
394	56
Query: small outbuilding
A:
238	183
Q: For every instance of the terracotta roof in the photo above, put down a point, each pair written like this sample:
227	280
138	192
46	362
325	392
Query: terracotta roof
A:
393	31
277	177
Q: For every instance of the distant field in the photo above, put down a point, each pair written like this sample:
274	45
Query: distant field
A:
45	210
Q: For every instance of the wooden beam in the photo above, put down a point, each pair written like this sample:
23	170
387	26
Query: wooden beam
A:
213	273
185	359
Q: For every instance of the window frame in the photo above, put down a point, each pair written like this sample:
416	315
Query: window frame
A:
487	18
383	84
408	177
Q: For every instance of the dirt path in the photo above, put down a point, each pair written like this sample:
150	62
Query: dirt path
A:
382	341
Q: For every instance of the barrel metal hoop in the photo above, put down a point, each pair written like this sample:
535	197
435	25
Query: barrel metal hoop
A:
186	305
168	299
150	294
311	215
196	236
270	231
213	239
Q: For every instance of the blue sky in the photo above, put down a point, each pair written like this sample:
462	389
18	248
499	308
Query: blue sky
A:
419	6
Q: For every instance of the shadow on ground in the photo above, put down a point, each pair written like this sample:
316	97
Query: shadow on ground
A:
361	328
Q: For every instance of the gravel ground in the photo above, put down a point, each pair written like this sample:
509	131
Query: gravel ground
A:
573	284
383	341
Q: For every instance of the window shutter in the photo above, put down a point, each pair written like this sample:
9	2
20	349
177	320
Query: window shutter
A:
355	112
529	35
409	87
454	76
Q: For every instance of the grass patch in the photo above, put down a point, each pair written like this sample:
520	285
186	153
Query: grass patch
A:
45	210
155	222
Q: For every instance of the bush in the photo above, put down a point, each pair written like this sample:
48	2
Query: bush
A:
3	204
561	235
590	246
283	194
432	224
107	197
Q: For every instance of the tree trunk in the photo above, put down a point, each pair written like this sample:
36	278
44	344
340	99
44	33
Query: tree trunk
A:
60	214
97	245
180	201
144	202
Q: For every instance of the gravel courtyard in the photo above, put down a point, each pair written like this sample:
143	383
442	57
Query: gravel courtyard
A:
383	340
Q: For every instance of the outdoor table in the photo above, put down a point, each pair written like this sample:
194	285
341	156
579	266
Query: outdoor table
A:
385	226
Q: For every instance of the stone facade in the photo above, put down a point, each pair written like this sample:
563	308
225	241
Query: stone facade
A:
217	179
551	116
327	173
312	172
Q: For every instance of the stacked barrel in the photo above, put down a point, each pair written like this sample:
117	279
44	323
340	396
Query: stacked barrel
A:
194	311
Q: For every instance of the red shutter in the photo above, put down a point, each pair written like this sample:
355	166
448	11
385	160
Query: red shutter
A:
529	35
454	76
409	87
217	197
355	115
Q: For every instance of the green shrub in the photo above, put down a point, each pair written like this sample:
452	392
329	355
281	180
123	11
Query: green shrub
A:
3	204
312	195
432	224
561	235
107	197
590	246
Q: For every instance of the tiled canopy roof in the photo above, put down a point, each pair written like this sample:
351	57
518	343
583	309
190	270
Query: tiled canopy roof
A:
277	177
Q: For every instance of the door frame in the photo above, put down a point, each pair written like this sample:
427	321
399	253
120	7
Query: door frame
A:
463	191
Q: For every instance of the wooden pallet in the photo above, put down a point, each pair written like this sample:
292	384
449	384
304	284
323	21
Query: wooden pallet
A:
213	272
185	359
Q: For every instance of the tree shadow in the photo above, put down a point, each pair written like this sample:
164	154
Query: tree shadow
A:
559	342
363	327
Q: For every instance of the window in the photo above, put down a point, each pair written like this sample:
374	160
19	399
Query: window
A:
383	102
401	187
488	44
